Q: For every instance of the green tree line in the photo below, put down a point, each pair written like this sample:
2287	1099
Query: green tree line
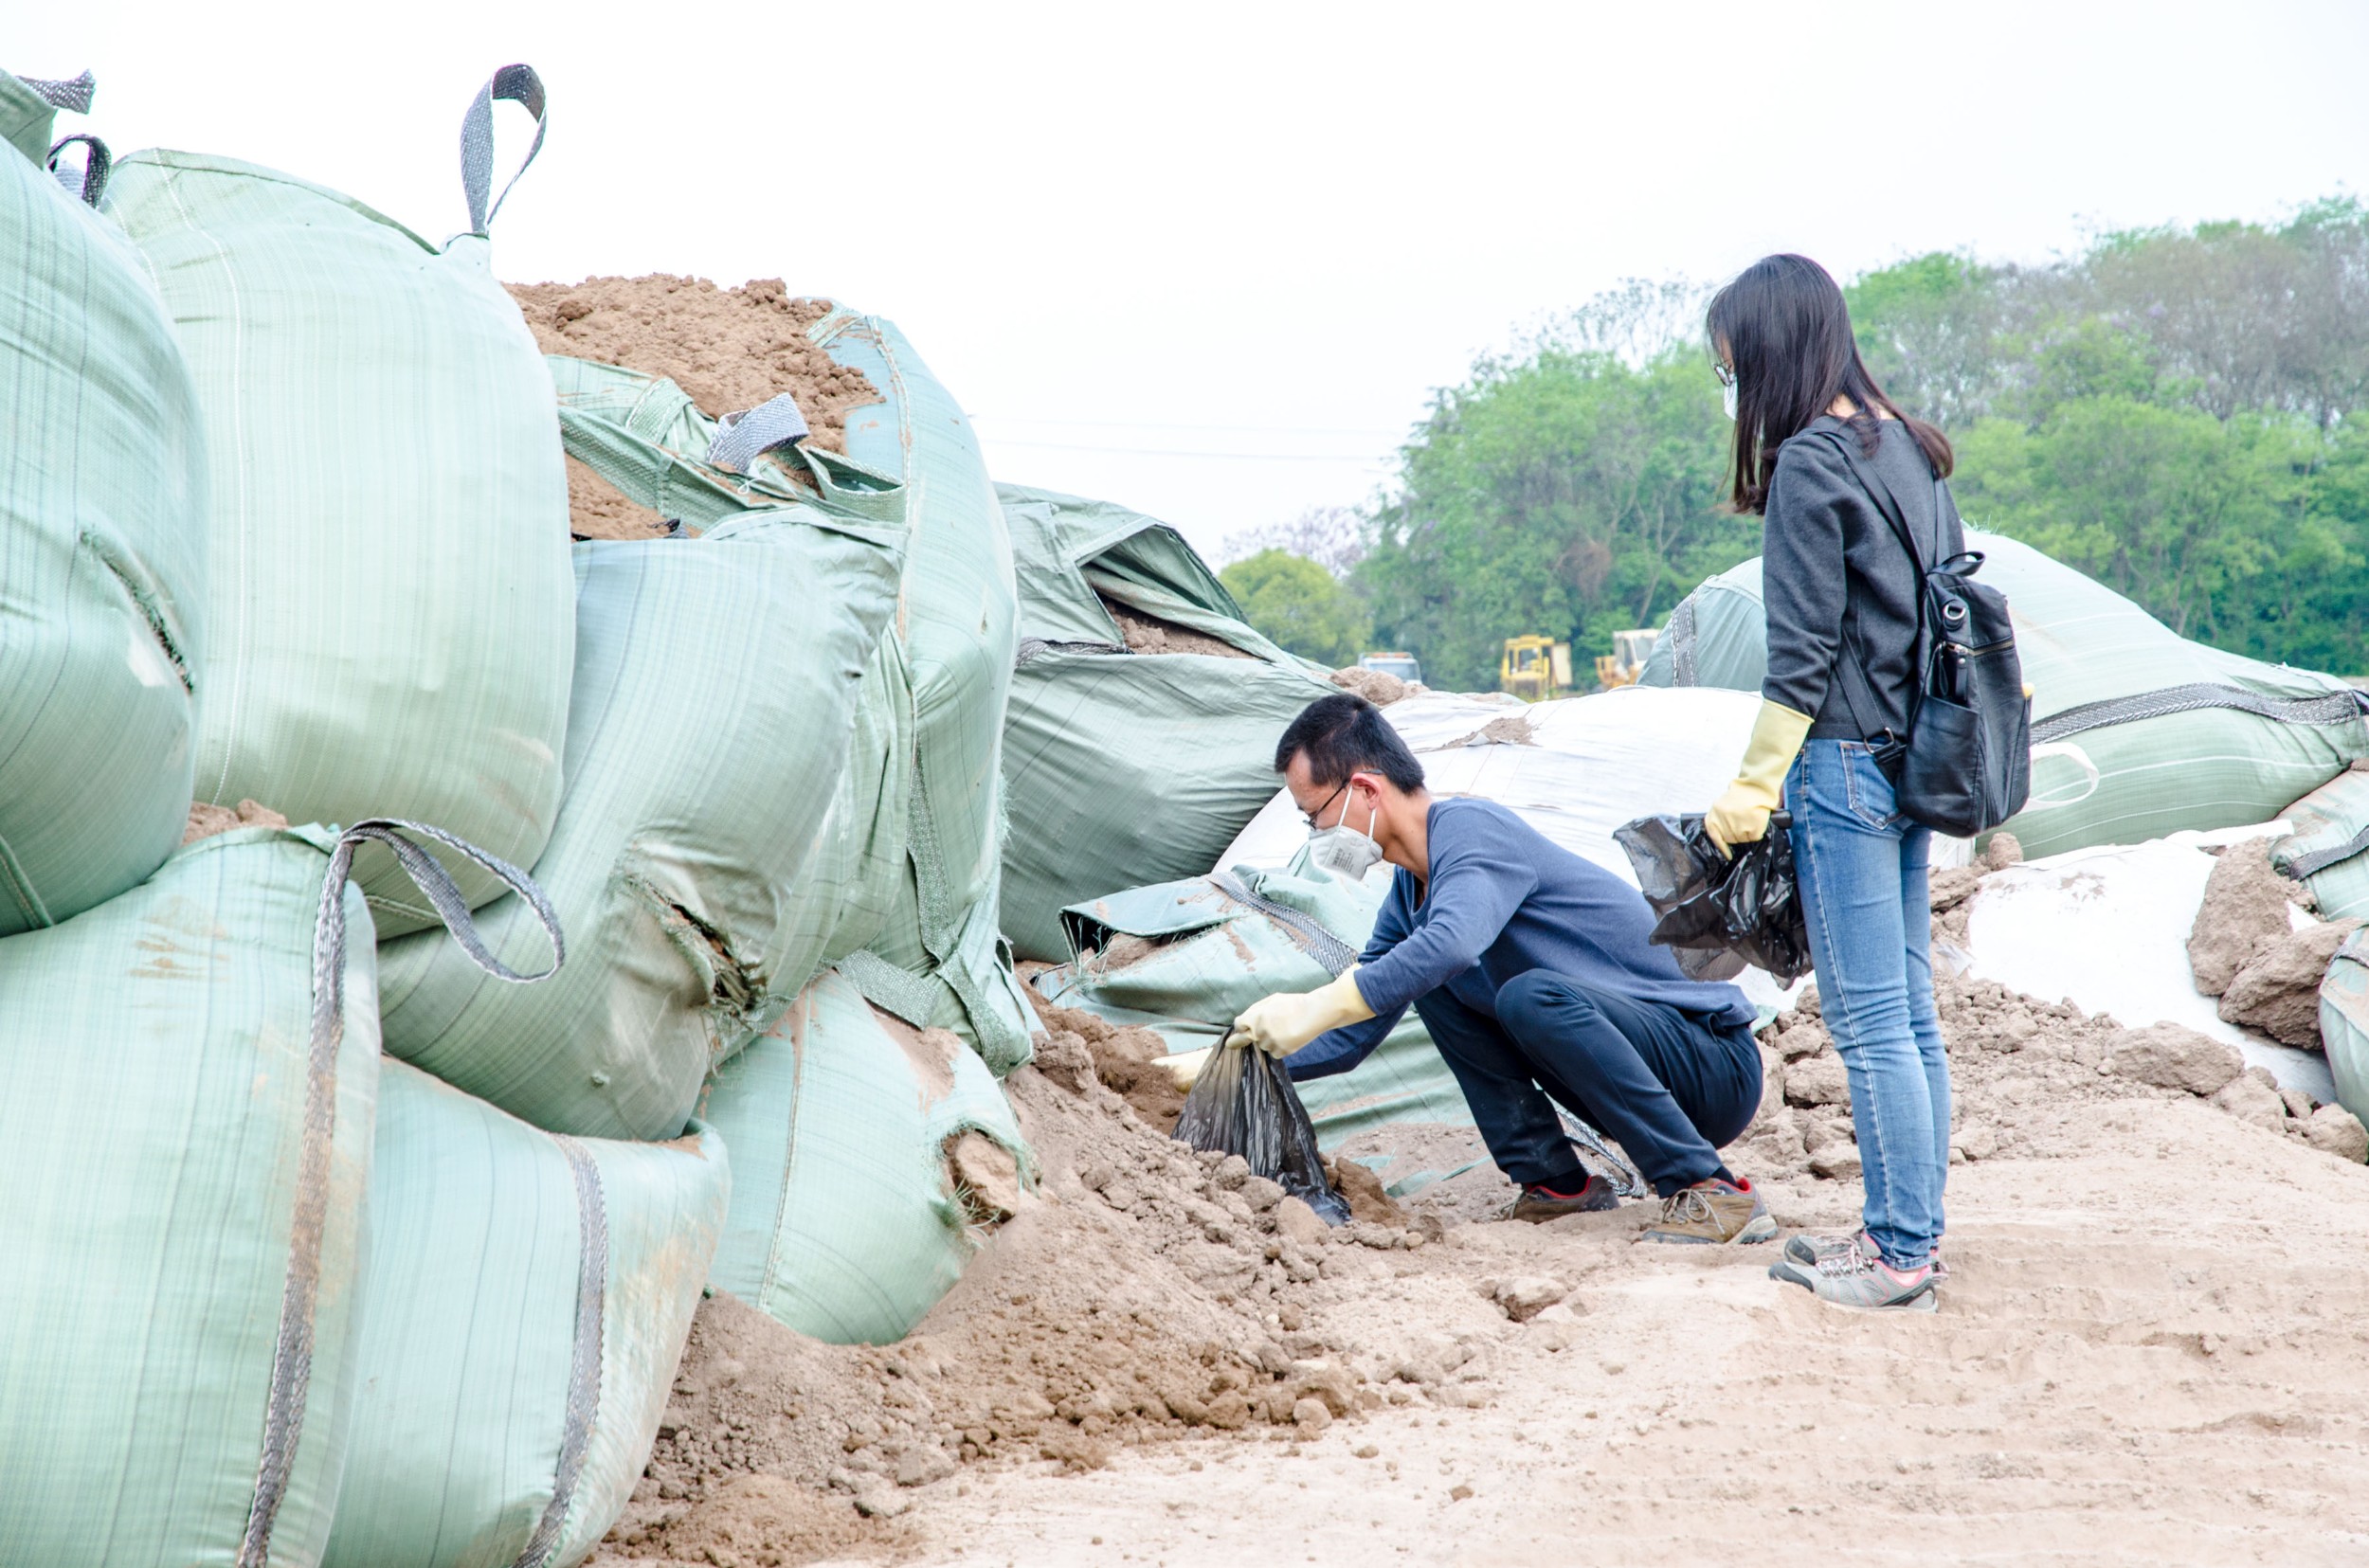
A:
2175	411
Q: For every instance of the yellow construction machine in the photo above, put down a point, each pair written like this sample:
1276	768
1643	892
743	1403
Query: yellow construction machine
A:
1535	668
1626	661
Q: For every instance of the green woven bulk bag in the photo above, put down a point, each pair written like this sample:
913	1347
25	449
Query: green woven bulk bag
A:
1122	769
184	1157
716	687
2137	731
939	959
527	1300
2345	1023
2329	850
390	619
102	550
644	435
846	1222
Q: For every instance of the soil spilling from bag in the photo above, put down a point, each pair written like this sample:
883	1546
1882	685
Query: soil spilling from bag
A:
1144	1294
728	350
1149	634
206	820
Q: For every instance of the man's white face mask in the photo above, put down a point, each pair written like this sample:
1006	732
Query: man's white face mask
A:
1343	850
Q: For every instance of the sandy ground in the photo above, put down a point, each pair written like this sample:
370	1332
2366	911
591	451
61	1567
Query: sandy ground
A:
2152	1352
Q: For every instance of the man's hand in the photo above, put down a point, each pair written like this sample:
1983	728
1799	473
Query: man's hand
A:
1284	1022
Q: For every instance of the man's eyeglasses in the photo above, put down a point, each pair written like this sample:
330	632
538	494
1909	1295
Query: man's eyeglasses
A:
1311	817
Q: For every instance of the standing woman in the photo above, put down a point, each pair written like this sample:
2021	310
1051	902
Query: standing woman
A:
1841	594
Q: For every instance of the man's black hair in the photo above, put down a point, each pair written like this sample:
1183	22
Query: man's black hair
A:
1344	734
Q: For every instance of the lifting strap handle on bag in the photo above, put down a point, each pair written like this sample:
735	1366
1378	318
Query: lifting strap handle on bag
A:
517	85
291	1357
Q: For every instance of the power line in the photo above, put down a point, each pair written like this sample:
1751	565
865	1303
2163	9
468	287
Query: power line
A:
1157	424
1175	452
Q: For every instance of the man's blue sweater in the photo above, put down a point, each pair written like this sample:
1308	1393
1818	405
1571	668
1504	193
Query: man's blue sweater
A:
1503	900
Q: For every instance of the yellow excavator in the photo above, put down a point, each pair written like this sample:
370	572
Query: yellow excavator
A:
1535	668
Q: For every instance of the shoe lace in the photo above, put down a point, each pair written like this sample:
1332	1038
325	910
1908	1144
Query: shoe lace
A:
1687	1206
1849	1259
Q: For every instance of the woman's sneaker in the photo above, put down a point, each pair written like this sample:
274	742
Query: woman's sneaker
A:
1856	1276
1807	1249
1713	1213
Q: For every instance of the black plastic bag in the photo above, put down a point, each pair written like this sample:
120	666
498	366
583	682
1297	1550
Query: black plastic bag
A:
1243	1103
1719	913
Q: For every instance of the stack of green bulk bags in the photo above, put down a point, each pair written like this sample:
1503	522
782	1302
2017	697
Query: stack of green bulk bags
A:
715	689
1124	768
527	1298
939	958
845	1221
102	550
2138	732
390	624
184	1156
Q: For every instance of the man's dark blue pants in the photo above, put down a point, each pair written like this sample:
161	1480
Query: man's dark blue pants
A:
1668	1087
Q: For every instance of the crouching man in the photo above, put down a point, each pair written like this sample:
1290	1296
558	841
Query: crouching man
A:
1530	968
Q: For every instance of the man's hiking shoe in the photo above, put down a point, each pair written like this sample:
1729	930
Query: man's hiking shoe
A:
1856	1277
1541	1205
1713	1213
1807	1249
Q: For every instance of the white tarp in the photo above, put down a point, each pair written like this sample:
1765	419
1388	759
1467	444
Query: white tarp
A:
2107	929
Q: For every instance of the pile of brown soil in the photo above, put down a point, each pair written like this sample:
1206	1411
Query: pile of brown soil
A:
2026	1074
2247	949
729	348
1141	1293
1377	687
1149	634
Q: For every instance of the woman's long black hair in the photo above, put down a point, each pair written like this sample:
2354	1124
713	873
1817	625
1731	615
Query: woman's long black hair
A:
1785	333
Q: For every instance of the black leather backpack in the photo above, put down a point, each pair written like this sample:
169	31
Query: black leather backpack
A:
1965	765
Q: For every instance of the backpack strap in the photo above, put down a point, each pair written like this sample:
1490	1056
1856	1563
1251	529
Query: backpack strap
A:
1857	694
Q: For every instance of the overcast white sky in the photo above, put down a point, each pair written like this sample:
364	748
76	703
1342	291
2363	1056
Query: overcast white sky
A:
1210	261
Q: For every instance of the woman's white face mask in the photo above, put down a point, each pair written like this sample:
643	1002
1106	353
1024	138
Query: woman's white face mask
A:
1727	398
1343	850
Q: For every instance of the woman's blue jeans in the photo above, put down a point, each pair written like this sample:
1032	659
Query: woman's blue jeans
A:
1862	870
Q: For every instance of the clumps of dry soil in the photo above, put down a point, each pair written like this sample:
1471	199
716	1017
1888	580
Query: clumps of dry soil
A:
1379	687
728	350
2246	949
1149	634
1080	1049
1144	1292
2026	1074
205	818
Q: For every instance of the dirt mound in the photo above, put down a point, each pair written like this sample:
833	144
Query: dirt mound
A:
1143	1292
1377	687
729	348
2026	1074
1081	1048
2245	907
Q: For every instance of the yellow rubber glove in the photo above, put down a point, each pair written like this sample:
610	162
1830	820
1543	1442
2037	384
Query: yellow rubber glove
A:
1740	815
1282	1023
